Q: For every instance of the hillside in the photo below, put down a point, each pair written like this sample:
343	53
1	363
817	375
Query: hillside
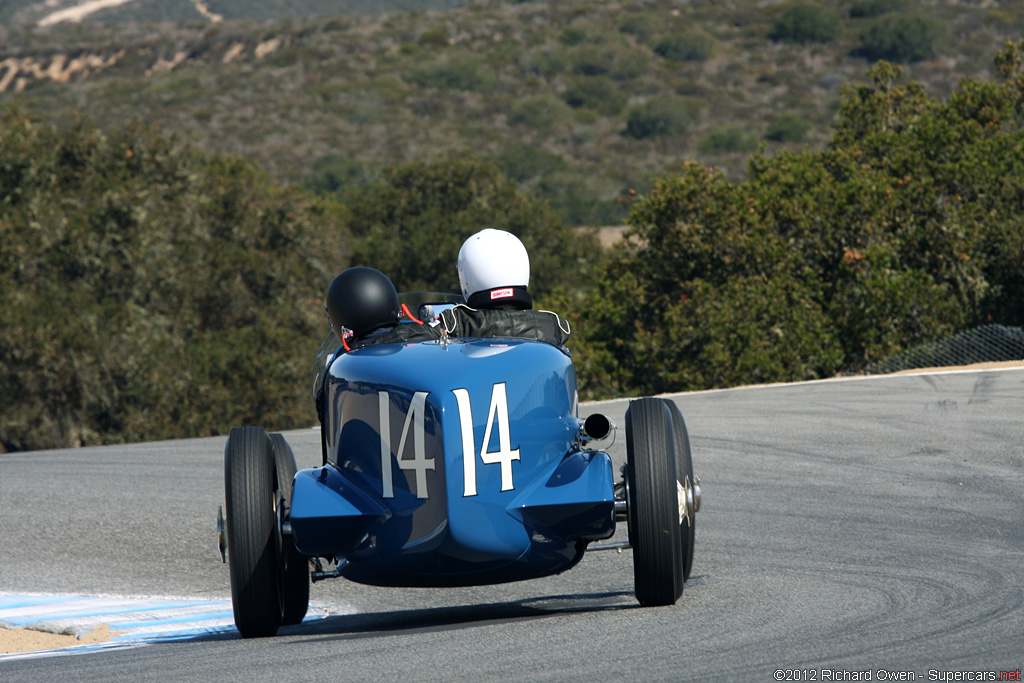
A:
47	12
579	101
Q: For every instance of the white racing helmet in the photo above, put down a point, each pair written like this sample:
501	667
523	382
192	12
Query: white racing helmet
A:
494	270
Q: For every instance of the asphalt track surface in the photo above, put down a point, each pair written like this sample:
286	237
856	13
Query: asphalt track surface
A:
872	525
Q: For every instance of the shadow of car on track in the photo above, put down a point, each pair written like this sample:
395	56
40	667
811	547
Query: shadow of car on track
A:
375	624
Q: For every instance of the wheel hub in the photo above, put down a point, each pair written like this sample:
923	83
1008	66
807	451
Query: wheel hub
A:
688	504
279	521
222	536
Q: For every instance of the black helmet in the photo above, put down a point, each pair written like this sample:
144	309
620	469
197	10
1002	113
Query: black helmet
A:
362	299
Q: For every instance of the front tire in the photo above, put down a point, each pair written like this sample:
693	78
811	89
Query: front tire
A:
253	554
653	503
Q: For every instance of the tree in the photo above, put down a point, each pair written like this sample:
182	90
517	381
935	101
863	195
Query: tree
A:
148	291
412	225
905	229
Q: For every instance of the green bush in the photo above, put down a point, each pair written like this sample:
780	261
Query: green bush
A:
641	25
689	46
434	38
787	127
573	36
661	117
572	197
728	139
540	112
806	23
900	38
333	173
545	61
592	60
523	162
608	60
456	71
598	93
866	9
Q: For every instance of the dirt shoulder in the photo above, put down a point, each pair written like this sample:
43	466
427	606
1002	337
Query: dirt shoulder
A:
25	640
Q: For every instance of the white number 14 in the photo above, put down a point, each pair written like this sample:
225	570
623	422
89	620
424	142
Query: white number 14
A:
505	454
497	413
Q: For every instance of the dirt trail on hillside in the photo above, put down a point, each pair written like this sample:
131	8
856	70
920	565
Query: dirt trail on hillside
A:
82	10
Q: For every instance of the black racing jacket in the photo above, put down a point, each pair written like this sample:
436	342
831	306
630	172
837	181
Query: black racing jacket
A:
465	322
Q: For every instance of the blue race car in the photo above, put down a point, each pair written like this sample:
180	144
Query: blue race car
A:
451	462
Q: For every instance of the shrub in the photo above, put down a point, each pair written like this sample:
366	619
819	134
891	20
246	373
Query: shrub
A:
612	60
572	196
866	9
592	60
545	60
900	38
541	112
787	127
661	117
805	23
333	173
524	162
599	93
572	36
641	25
434	38
689	46
728	139
456	71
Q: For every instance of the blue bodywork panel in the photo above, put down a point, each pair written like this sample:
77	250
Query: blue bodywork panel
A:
453	463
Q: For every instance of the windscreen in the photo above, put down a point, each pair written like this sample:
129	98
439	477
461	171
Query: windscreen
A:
328	349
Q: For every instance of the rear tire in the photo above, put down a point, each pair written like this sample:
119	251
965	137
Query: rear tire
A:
295	573
684	470
253	554
653	503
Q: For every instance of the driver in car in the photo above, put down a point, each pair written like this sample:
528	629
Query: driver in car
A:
362	305
494	273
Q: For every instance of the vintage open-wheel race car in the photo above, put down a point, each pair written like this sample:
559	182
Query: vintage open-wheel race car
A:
451	462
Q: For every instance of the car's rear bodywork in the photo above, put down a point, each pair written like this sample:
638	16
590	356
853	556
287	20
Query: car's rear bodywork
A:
453	463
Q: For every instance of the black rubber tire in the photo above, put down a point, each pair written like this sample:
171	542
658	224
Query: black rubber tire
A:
295	573
653	522
684	468
253	555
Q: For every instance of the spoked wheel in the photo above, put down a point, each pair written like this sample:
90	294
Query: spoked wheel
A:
295	572
687	488
254	556
653	503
